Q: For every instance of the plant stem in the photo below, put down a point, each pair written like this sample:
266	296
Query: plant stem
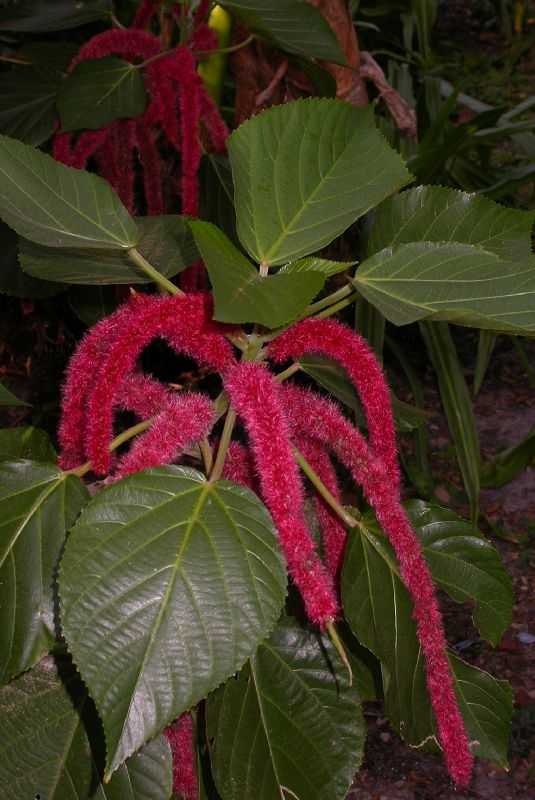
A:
223	445
331	630
338	306
320	487
140	262
292	369
200	53
206	452
113	445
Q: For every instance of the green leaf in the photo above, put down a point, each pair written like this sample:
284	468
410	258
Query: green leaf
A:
303	172
464	564
50	744
98	91
457	406
28	442
241	294
437	214
294	26
379	610
29	16
54	55
27	103
449	281
315	264
91	303
38	504
60	206
217	194
485	348
289	725
165	242
167	585
333	378
13	281
505	466
9	399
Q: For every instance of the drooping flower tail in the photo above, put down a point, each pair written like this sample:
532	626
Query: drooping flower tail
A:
353	352
323	421
180	735
180	422
255	395
178	319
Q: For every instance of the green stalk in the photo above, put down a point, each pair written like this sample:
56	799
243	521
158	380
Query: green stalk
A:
320	487
114	444
142	264
223	445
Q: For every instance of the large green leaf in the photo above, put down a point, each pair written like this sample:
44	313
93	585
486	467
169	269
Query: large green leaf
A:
241	294
292	25
449	281
379	611
59	206
289	725
437	214
13	281
28	442
334	378
43	15
7	398
51	744
510	462
27	103
457	406
303	172
167	585
165	242
98	91
38	504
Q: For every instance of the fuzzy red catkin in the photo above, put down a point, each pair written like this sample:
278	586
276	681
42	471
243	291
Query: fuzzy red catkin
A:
148	156
88	356
180	320
353	352
180	735
332	529
182	421
124	41
144	13
239	466
323	420
254	394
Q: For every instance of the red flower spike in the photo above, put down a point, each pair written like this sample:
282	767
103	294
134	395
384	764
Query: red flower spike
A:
148	156
322	420
183	420
255	395
201	11
202	38
332	529
353	352
124	41
144	13
239	466
178	319
89	354
142	395
180	735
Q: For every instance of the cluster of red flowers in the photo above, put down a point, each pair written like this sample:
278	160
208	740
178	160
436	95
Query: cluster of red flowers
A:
178	109
103	377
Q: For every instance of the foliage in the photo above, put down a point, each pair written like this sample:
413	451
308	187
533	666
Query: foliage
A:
159	601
